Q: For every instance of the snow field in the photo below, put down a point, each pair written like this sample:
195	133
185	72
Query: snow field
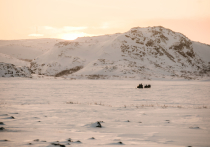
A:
56	110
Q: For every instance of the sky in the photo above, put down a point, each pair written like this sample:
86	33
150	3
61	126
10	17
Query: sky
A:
69	19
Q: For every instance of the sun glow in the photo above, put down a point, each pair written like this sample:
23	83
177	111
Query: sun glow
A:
72	36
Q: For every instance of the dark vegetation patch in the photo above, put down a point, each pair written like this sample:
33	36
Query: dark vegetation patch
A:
69	71
96	76
65	43
150	43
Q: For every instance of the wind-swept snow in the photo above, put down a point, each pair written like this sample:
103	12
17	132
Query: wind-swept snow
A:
26	49
9	59
66	112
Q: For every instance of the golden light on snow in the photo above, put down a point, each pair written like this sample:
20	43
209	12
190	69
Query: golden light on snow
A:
72	36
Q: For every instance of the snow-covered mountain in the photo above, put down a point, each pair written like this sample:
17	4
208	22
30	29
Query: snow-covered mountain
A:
140	53
12	60
16	55
26	49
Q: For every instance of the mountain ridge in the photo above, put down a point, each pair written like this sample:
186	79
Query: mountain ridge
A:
140	53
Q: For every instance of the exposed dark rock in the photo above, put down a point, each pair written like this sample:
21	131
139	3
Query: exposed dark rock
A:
10	70
2	128
1	123
99	124
70	140
120	142
55	144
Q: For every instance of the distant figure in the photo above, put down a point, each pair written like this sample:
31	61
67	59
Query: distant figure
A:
140	86
147	86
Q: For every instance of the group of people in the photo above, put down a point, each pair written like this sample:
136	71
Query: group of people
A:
146	86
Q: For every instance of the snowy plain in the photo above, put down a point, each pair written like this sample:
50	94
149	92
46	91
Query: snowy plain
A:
169	114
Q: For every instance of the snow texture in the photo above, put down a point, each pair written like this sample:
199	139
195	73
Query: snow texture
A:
45	113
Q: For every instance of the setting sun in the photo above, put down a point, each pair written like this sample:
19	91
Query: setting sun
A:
72	36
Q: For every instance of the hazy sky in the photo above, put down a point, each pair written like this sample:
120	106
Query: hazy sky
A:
68	19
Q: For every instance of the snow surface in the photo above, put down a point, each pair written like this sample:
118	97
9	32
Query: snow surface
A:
9	59
28	48
20	53
170	113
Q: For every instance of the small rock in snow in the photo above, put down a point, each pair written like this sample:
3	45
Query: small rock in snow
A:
55	143
99	124
78	141
194	127
70	140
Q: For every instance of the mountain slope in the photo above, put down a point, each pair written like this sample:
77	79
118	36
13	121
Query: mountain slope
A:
15	55
26	49
12	60
140	53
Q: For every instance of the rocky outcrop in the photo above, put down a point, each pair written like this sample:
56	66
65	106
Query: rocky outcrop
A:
10	70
